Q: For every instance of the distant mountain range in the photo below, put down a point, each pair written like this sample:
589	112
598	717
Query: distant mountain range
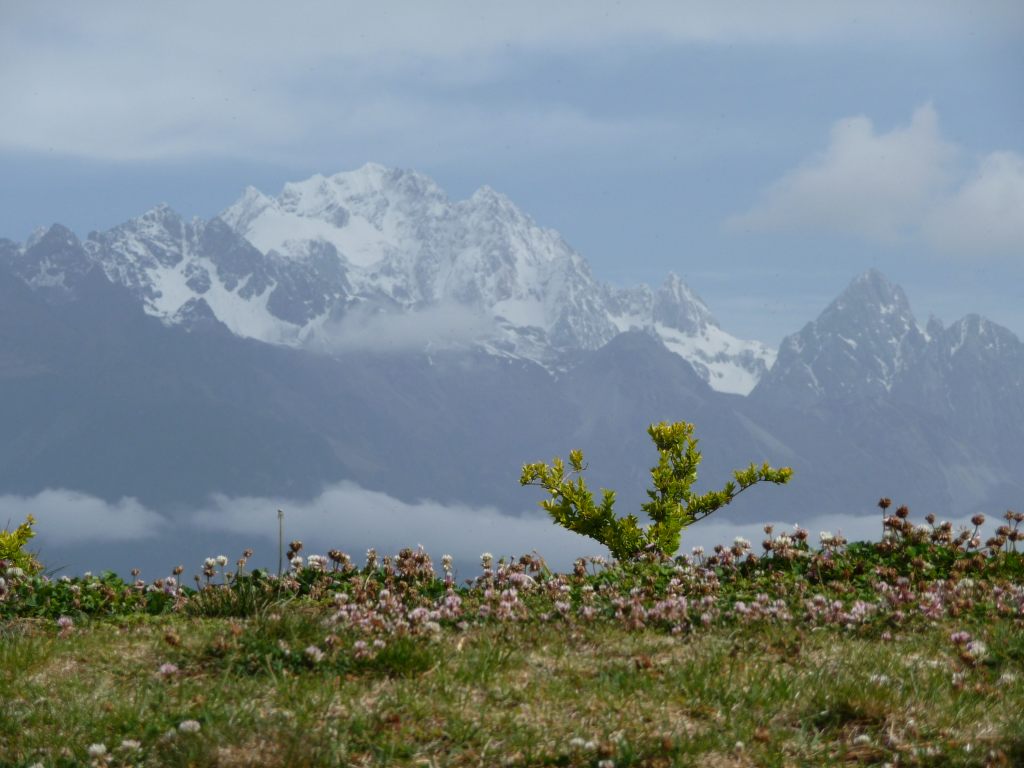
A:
364	327
319	263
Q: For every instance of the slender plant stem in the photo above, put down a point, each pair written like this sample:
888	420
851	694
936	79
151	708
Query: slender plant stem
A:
280	542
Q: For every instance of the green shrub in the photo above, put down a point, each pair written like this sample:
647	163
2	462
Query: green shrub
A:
12	547
672	505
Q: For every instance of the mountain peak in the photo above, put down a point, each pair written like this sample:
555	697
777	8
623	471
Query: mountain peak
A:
488	194
874	289
858	347
871	305
979	335
161	214
678	306
54	259
55	236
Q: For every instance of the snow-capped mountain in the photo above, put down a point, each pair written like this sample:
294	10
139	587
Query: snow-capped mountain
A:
857	348
399	236
381	256
168	263
126	371
867	345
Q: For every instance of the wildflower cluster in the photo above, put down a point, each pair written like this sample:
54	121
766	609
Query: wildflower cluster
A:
343	621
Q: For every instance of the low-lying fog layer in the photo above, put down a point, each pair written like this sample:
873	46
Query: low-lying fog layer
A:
77	532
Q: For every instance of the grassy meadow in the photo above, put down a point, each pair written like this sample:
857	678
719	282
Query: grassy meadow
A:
798	652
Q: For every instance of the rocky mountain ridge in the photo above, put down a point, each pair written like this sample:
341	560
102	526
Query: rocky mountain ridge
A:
337	261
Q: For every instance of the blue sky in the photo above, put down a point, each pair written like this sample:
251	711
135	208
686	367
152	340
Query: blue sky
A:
767	152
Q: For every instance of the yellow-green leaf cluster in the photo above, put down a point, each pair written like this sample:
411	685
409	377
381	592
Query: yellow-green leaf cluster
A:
672	505
12	547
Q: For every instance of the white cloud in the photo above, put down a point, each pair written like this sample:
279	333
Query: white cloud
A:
353	519
86	532
877	185
65	517
443	326
986	214
902	186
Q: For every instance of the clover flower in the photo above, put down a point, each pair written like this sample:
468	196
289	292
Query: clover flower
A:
976	649
167	669
96	750
189	726
314	654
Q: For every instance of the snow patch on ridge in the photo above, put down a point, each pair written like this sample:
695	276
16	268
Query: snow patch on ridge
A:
728	364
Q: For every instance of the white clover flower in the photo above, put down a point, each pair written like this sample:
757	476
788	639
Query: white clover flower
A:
222	560
97	750
739	541
131	744
14	572
314	654
210	562
189	726
977	649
